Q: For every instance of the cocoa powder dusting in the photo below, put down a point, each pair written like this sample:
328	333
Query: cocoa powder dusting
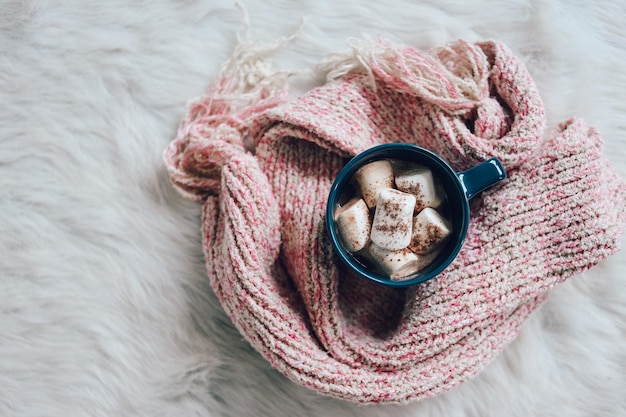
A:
415	189
419	204
398	227
393	208
433	234
432	238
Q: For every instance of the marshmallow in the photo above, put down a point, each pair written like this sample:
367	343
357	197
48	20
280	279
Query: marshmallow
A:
353	224
373	177
392	225
429	231
425	260
418	180
395	263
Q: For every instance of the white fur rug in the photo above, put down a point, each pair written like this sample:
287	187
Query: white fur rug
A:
105	309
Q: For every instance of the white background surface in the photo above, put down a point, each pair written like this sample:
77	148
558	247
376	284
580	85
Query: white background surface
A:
105	309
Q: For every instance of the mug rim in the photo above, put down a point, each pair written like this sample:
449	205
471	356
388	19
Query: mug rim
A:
377	153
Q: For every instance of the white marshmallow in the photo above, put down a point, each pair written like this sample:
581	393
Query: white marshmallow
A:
393	219
428	258
372	177
418	180
429	231
394	263
353	224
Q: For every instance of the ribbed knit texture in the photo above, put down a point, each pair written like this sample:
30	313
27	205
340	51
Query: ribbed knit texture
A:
561	211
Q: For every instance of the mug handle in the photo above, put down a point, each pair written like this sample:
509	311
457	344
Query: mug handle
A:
481	176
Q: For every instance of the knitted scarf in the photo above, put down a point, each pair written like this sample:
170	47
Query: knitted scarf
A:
263	166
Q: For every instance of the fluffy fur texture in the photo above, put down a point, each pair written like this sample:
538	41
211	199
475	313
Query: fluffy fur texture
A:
105	307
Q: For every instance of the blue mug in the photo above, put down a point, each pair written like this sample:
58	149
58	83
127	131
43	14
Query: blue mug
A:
459	188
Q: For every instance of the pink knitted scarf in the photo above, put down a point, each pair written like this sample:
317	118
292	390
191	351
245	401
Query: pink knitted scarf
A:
269	260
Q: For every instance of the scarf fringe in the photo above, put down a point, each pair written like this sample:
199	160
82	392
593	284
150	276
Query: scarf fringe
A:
454	77
216	126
